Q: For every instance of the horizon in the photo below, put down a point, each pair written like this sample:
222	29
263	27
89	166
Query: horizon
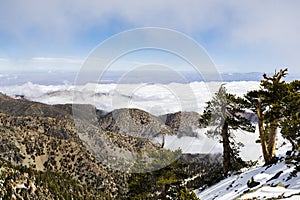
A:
10	78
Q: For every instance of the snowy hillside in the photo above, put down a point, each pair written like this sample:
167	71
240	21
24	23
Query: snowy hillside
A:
280	181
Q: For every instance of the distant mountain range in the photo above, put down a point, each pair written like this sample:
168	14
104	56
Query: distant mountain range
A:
58	78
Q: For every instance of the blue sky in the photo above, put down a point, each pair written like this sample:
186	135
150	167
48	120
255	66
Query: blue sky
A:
240	36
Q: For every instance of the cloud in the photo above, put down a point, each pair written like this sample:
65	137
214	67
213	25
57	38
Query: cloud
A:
58	60
251	20
263	27
66	17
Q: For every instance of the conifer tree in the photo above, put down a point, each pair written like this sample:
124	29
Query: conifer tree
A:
186	194
290	124
225	112
268	104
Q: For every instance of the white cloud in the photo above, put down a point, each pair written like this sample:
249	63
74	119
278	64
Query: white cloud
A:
58	60
251	20
64	17
269	27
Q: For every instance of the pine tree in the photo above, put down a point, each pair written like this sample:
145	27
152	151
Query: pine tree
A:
267	103
290	124
156	184
186	194
226	113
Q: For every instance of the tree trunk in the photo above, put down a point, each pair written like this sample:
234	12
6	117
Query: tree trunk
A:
294	145
163	141
226	149
261	129
163	191
272	140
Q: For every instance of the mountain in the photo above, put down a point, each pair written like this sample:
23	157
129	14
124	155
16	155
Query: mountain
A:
24	107
77	151
49	144
183	123
21	182
48	151
134	122
46	138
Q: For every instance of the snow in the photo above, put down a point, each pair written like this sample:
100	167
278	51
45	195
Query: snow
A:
269	186
295	197
269	192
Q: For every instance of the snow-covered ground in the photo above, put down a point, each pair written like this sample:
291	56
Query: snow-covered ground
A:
273	181
235	187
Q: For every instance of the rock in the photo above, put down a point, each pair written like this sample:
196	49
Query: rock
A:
275	176
251	183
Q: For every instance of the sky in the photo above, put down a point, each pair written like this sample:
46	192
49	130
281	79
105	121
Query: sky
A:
239	36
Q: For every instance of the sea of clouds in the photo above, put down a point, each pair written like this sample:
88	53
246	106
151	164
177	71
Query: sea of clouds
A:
158	99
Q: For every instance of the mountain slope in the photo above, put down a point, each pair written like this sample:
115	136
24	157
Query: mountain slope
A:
24	107
183	123
134	122
19	182
86	150
48	144
47	138
277	181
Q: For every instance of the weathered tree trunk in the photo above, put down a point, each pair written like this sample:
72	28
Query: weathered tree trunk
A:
226	149
272	140
261	129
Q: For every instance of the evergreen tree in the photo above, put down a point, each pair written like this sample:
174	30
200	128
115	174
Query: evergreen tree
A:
226	113
267	103
160	183
290	124
186	194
